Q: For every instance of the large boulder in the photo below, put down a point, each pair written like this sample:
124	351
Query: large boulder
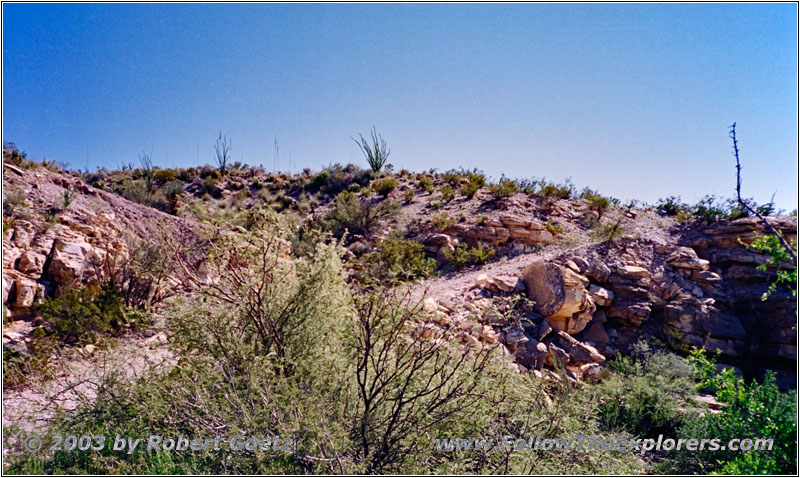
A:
560	295
68	260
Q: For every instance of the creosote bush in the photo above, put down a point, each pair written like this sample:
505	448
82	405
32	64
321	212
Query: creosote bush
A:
357	215
503	189
384	186
397	259
465	256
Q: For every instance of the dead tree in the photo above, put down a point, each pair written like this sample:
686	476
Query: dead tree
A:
752	211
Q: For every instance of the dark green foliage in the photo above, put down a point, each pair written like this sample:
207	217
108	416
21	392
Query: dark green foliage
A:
503	189
80	316
555	191
356	215
66	198
465	256
397	259
670	206
14	155
779	256
337	178
645	393
320	180
608	231
751	410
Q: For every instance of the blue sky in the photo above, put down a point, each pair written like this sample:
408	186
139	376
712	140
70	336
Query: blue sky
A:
633	100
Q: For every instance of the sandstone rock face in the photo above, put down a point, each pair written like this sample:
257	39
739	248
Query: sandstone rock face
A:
38	259
506	227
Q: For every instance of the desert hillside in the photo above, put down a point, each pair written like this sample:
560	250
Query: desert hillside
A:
531	289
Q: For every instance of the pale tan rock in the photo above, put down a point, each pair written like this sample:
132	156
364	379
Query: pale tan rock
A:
600	295
633	272
68	261
31	262
25	293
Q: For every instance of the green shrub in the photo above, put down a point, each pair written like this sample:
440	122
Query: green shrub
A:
376	393
555	191
384	186
442	221
599	204
426	183
13	202
553	228
503	189
356	215
609	231
770	244
13	155
81	316
468	190
647	393
319	181
397	259
165	175
408	195
464	256
448	193
751	410
66	198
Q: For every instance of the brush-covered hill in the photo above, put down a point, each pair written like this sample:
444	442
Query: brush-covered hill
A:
558	282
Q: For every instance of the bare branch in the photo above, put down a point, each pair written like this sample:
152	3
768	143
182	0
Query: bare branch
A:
752	211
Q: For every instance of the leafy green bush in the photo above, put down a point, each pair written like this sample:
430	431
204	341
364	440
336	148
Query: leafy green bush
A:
468	190
503	189
66	198
356	215
751	410
408	195
426	183
13	155
646	393
608	231
670	206
771	245
319	181
442	221
464	256
397	259
376	393
555	191
13	202
81	316
384	186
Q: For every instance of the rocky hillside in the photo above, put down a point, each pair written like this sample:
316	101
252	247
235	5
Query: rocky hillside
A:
551	277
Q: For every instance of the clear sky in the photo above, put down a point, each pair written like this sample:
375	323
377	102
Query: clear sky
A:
632	100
